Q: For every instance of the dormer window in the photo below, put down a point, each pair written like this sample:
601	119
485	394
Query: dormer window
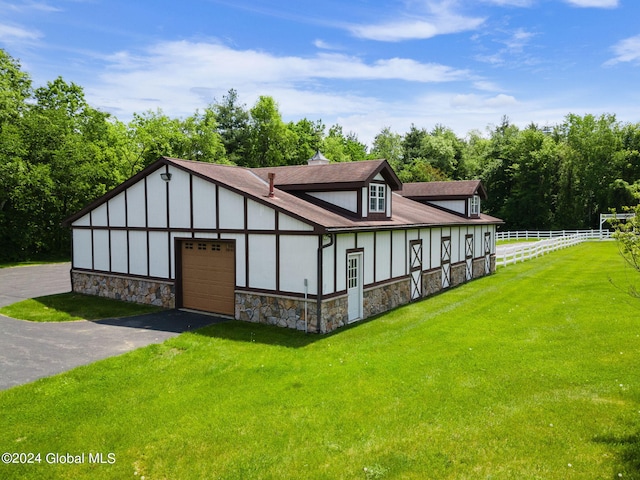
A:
377	198
474	206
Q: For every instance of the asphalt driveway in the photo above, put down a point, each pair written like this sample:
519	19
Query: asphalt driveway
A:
20	283
31	350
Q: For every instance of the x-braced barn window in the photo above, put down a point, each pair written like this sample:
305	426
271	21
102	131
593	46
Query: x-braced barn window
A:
377	200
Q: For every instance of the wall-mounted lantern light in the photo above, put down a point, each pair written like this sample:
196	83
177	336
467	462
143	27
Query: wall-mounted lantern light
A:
166	176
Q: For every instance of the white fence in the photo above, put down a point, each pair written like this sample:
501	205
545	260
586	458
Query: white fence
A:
507	254
538	234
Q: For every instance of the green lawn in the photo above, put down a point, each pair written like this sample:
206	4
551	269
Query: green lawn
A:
29	263
66	307
532	373
519	240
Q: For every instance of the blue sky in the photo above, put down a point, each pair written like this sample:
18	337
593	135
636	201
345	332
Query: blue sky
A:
365	64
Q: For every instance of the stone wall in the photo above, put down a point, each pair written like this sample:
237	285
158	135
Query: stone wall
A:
335	313
128	289
289	312
458	274
431	282
272	310
478	268
386	297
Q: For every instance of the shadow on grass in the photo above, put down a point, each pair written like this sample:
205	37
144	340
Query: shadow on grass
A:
627	452
239	331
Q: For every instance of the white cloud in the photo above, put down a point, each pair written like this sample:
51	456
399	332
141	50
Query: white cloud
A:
594	3
627	50
322	45
12	34
473	101
438	19
511	3
486	86
414	29
514	47
184	76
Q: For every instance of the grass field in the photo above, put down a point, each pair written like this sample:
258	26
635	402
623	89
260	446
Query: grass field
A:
65	307
532	373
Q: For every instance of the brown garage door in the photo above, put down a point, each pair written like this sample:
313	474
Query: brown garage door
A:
208	276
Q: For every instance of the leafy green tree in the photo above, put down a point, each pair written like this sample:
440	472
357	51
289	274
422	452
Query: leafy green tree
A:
412	143
530	203
15	89
233	127
593	159
341	147
308	137
421	170
271	142
388	145
627	234
496	171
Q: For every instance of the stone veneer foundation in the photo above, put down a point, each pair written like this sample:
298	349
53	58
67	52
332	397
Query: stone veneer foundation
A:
282	311
128	289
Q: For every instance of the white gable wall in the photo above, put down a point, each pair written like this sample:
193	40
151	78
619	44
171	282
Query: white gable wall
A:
343	199
119	251
156	201
285	222
457	206
101	250
99	216
232	214
138	253
82	249
117	211
159	254
179	199
260	217
136	211
204	204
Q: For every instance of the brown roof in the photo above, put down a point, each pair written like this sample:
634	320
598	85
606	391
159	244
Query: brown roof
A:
440	190
333	175
247	182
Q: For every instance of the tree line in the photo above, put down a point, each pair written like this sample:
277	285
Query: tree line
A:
57	153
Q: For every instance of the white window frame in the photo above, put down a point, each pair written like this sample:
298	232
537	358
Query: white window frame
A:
377	198
474	205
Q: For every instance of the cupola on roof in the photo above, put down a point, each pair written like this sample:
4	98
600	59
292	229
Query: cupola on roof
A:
318	159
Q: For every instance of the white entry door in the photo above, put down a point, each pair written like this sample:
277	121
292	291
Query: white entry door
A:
354	286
